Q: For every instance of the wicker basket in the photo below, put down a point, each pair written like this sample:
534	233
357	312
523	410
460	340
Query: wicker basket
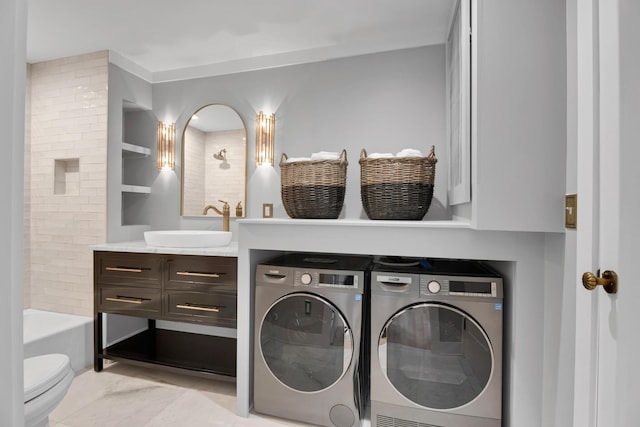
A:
313	188
397	187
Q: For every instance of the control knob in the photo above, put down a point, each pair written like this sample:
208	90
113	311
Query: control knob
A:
305	278
434	287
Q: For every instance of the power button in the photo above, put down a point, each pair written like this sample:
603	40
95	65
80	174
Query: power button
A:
305	278
434	287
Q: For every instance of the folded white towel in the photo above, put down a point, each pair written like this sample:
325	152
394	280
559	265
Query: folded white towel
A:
297	159
325	155
380	155
409	152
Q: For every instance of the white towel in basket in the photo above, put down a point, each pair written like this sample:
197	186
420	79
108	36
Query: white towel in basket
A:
409	152
297	159
380	155
325	155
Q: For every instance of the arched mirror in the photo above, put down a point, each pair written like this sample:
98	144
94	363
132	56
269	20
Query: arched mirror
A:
214	161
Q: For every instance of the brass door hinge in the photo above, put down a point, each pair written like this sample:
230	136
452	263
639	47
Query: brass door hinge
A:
571	210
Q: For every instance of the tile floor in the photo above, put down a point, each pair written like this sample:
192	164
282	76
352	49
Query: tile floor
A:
131	396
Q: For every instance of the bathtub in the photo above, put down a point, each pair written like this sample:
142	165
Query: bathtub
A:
49	332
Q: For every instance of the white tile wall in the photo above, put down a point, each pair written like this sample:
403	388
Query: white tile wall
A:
27	192
194	150
225	180
67	120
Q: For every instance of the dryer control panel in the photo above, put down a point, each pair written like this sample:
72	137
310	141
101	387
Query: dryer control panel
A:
462	286
430	285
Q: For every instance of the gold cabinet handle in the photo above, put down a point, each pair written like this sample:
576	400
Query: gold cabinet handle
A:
609	281
128	300
125	269
198	308
189	273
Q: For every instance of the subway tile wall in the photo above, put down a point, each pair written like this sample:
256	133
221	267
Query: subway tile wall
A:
67	122
27	192
193	201
208	180
225	180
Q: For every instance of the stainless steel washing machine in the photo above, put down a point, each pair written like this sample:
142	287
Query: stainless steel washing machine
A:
308	343
436	343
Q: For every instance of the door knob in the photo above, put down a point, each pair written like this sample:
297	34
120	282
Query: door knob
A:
609	281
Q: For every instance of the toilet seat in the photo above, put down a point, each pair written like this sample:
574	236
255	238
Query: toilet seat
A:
47	379
42	373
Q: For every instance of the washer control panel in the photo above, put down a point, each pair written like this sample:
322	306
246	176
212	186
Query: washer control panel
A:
461	286
327	279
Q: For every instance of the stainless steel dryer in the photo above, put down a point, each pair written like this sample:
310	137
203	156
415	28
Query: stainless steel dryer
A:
436	343
308	338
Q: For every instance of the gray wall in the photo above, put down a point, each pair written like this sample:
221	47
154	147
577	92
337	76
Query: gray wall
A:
381	102
13	24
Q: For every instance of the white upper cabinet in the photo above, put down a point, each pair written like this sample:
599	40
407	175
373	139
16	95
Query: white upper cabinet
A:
518	116
458	80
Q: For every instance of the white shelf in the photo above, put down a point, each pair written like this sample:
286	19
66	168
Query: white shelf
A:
131	150
394	224
135	189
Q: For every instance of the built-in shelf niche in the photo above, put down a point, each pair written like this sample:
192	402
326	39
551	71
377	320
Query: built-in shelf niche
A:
138	165
134	151
66	177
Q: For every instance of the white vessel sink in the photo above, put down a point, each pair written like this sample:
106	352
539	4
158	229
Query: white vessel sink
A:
187	238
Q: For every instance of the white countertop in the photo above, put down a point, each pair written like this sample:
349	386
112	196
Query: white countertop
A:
230	250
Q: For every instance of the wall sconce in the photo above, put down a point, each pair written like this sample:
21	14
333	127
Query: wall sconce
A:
265	130
166	141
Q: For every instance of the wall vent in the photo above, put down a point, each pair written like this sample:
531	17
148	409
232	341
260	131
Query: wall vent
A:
384	421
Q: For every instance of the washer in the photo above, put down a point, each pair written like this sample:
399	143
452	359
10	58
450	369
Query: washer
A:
436	343
308	343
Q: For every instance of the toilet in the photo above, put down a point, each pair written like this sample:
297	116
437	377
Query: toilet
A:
46	381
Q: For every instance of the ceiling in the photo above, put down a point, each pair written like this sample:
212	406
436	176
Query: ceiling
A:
171	40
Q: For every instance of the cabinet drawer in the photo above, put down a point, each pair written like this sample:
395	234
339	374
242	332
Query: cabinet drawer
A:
127	269
129	300
213	308
191	271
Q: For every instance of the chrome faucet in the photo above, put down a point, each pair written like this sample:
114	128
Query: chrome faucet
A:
226	212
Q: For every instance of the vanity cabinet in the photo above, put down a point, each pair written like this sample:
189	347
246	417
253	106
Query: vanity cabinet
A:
160	287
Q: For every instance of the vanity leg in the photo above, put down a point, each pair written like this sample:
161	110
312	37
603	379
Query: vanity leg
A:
98	363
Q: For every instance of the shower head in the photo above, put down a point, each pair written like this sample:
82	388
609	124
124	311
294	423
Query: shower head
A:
221	155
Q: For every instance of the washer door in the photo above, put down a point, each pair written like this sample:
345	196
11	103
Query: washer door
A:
435	355
305	342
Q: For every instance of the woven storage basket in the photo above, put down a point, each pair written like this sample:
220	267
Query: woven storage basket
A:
313	188
397	187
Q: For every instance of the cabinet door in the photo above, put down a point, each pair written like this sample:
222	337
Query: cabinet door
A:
519	110
458	75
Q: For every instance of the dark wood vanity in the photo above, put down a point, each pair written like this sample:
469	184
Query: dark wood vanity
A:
189	289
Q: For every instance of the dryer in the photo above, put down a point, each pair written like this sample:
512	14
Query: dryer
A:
308	338
436	343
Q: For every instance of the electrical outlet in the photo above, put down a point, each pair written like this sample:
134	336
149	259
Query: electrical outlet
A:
267	210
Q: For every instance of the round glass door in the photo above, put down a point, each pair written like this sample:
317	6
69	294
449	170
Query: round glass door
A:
435	355
305	342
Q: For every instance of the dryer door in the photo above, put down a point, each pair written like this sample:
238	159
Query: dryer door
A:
435	355
305	342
